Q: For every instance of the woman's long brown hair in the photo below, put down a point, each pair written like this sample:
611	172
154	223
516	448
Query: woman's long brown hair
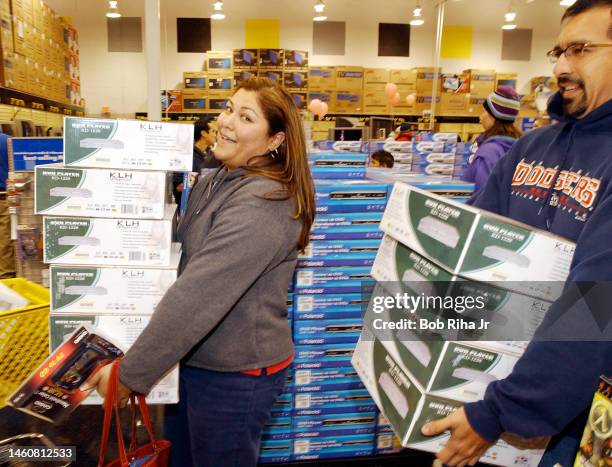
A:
501	128
290	166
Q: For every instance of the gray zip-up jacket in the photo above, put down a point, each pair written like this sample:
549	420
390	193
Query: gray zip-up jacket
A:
227	311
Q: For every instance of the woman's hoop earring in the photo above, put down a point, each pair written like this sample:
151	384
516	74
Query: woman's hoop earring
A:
274	153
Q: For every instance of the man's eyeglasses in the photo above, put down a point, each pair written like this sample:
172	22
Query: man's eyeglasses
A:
573	50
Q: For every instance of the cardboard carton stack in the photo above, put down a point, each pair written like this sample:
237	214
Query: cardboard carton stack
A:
209	89
40	52
107	228
429	153
442	248
333	416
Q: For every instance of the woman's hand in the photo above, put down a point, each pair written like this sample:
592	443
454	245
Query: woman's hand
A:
99	381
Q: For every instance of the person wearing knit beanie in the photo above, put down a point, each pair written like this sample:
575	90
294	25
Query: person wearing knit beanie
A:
501	108
503	104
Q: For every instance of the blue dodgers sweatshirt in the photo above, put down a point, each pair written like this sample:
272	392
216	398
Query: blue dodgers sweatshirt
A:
558	179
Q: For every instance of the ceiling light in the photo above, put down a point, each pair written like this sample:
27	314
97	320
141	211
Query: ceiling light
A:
510	16
319	9
567	2
218	10
417	19
113	12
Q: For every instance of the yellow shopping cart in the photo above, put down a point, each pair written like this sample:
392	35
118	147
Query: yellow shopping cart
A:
24	336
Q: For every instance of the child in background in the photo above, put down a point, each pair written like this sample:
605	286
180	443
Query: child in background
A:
382	159
500	111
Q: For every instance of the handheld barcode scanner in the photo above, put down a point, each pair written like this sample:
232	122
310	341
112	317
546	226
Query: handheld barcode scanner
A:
70	192
99	143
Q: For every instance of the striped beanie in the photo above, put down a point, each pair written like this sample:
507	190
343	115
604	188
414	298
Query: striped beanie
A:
503	104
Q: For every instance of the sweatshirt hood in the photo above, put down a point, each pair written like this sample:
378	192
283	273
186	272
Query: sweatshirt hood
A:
599	119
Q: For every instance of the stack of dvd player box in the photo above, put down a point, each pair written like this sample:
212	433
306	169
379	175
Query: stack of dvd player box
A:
436	248
432	154
333	416
108	229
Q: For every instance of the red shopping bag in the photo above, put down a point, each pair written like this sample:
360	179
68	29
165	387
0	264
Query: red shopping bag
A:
155	453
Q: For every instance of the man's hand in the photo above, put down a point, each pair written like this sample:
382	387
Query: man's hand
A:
465	446
99	381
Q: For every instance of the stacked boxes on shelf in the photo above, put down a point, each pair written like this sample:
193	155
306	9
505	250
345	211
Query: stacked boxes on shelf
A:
107	229
208	90
442	248
24	155
40	52
429	154
333	414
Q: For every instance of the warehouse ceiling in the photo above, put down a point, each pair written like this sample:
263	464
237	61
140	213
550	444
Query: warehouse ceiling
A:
542	15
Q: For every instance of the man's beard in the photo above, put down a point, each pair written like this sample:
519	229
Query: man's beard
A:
576	106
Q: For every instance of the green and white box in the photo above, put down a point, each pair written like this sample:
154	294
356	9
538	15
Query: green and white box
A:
65	191
110	289
108	242
454	370
128	144
477	244
124	331
408	408
513	317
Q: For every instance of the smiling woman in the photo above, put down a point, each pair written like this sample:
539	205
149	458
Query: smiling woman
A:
225	318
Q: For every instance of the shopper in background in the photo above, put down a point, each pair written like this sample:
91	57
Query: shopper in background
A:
225	318
382	159
7	252
203	157
500	111
557	178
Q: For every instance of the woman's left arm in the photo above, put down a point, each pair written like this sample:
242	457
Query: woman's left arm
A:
246	236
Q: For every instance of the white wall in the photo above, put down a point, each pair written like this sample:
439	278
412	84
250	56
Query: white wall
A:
117	79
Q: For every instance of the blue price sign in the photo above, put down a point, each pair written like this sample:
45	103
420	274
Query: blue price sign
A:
30	152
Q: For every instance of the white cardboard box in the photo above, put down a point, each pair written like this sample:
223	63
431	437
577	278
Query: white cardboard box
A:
112	242
123	330
408	408
454	370
477	244
514	317
110	289
128	144
66	191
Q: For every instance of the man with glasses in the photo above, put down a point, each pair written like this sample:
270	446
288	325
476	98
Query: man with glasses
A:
558	179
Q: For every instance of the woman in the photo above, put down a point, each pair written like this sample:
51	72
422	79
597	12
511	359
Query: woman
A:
500	111
225	318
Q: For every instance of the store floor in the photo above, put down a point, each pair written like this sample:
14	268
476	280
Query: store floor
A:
82	429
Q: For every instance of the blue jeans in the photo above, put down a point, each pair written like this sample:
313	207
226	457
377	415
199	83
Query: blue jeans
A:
220	417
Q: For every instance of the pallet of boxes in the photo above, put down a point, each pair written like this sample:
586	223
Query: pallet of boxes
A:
453	254
107	229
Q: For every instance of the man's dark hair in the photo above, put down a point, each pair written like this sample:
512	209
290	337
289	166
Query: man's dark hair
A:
384	158
201	125
583	5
